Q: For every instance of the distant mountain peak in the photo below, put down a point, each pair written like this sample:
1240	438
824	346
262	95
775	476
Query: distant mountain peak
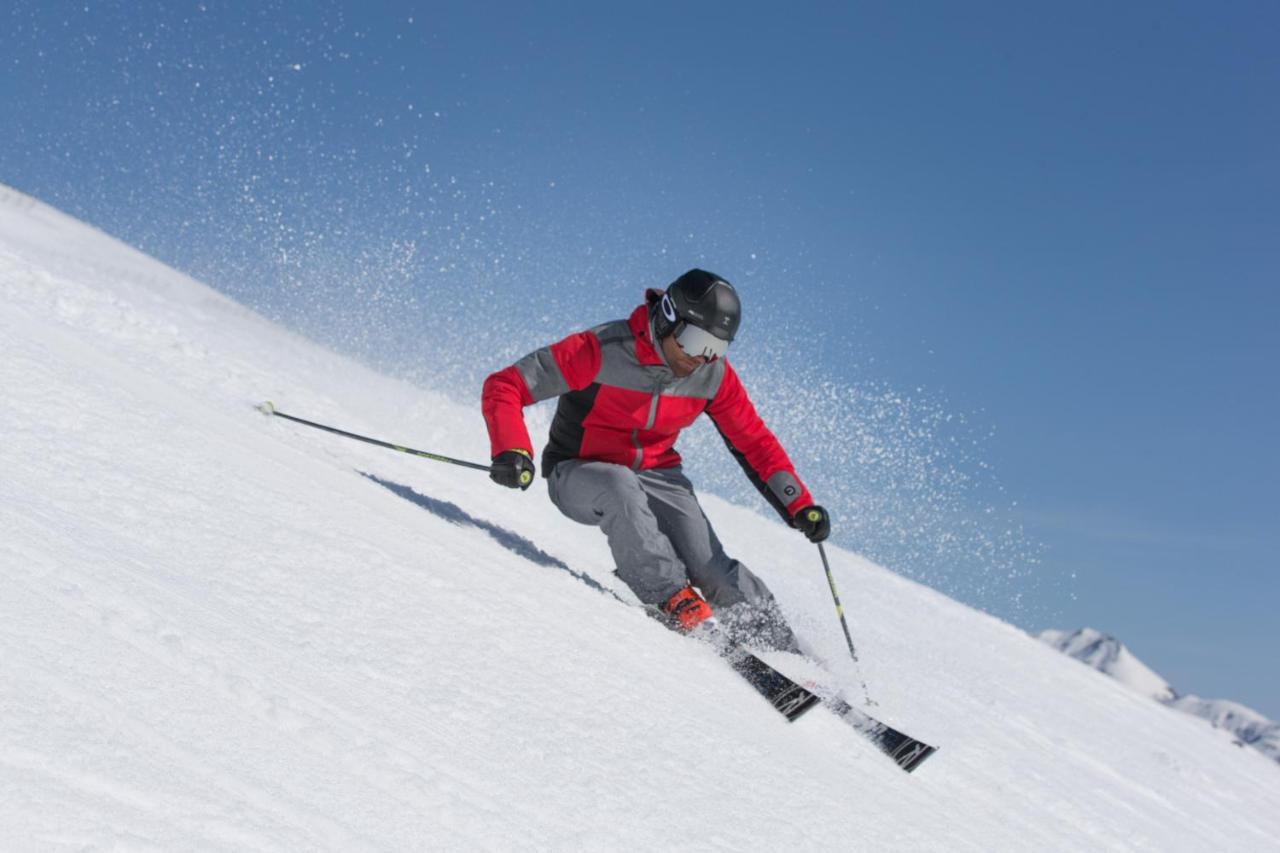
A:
1245	724
1106	654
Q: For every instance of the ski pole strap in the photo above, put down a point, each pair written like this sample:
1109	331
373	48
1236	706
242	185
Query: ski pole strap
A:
267	408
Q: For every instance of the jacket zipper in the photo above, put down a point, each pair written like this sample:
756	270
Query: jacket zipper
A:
635	433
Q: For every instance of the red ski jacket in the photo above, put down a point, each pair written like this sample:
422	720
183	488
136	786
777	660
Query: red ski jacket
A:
620	403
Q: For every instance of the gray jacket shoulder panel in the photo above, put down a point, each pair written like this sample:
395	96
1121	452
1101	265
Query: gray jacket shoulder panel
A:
542	375
612	332
704	382
619	367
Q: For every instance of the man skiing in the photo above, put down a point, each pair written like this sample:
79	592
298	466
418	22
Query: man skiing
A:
626	389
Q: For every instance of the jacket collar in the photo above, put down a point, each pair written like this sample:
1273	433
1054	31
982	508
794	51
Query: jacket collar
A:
647	351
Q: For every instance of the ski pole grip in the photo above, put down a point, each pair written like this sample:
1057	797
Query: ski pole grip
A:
526	477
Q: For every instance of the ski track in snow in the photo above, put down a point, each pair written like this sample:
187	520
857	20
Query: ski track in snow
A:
216	633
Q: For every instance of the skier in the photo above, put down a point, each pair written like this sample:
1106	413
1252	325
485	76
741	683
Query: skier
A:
626	389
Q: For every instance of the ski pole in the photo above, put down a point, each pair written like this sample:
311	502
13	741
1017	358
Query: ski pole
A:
853	653
268	408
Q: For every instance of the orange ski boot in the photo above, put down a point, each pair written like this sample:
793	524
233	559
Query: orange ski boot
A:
687	610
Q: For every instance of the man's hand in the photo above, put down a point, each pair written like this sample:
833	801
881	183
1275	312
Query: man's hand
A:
813	522
513	469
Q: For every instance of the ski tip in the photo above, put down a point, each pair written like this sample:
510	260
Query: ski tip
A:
266	407
911	755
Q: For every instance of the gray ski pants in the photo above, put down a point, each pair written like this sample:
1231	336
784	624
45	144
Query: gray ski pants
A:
660	539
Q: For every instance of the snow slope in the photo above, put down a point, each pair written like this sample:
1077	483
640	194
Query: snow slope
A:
1106	654
217	633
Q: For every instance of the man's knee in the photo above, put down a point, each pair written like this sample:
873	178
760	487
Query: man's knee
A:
594	492
726	582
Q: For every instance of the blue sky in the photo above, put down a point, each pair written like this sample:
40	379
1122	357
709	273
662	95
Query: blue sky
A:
1008	269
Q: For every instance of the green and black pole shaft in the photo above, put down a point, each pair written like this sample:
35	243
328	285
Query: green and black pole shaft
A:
853	653
267	408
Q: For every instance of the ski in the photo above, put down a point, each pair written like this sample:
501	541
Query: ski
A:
786	696
905	751
793	700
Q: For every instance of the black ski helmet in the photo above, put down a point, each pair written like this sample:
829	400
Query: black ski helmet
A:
701	299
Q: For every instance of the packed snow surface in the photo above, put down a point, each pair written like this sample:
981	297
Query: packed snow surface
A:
222	631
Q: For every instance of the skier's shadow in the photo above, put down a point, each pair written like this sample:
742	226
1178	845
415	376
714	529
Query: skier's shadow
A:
513	542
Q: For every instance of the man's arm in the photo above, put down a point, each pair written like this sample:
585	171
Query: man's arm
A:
759	453
568	365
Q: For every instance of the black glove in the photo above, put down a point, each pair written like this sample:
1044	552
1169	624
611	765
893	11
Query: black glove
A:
513	469
813	522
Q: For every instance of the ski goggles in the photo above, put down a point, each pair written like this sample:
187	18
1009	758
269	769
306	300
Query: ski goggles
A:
698	342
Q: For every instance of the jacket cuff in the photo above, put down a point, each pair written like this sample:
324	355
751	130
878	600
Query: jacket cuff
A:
790	492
